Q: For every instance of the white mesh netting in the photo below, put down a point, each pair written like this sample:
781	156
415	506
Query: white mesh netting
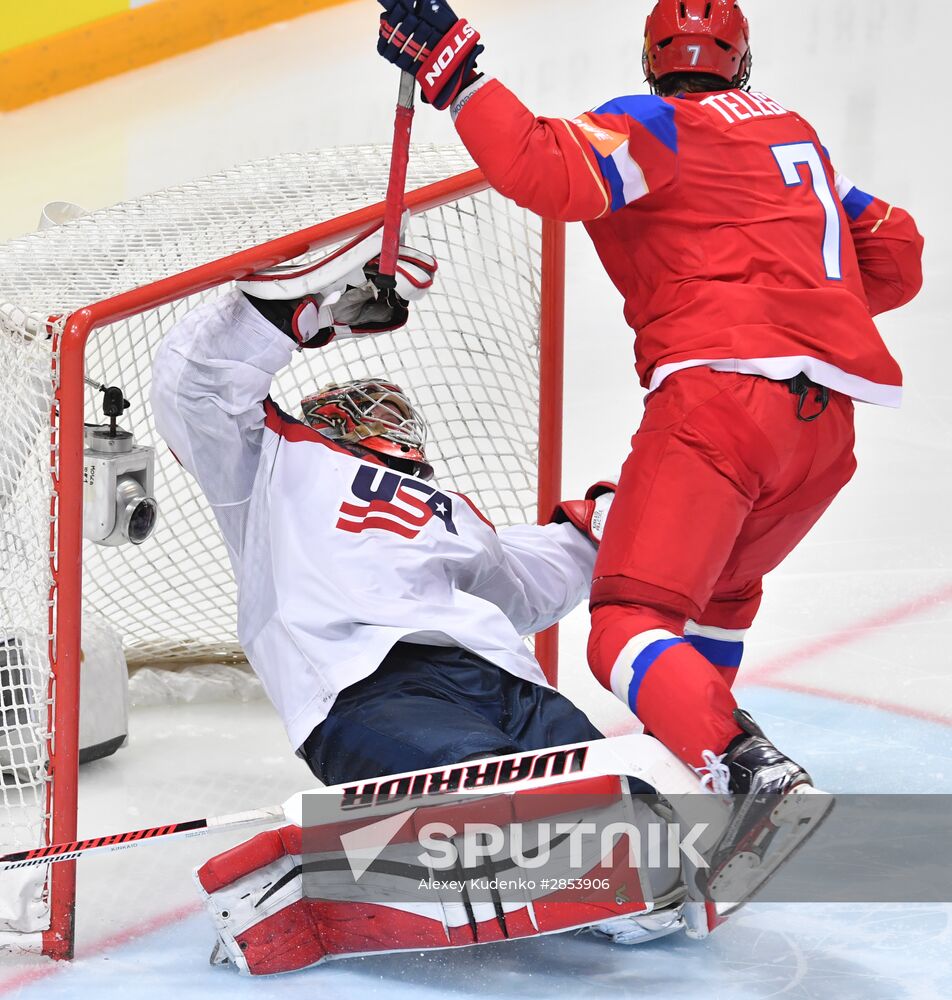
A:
469	358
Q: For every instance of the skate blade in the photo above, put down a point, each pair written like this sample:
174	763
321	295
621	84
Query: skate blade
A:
796	817
635	930
219	955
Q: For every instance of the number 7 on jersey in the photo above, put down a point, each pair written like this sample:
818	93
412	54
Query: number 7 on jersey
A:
789	158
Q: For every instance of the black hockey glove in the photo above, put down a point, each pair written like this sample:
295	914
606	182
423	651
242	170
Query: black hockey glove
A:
297	319
428	40
360	311
315	302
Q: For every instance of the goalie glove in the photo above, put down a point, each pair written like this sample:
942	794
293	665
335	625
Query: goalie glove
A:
588	515
340	295
428	40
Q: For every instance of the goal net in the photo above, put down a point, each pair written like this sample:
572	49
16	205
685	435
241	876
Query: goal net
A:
95	296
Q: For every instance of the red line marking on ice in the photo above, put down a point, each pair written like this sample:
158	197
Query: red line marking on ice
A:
105	944
892	707
882	619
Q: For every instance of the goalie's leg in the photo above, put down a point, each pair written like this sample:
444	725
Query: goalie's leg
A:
426	706
276	909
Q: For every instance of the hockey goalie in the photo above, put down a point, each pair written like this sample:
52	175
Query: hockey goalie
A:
383	614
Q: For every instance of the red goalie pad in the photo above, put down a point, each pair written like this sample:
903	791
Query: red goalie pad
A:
266	922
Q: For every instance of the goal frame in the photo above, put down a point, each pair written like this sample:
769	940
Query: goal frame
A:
67	446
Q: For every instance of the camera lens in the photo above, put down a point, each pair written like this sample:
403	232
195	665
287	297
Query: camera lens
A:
138	513
142	520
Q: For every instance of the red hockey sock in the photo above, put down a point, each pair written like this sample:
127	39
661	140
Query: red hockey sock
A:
642	656
728	675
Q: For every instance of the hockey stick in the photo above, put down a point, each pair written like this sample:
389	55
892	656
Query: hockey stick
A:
637	756
397	185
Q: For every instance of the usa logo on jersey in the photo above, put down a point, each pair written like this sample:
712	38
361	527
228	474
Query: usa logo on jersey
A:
396	503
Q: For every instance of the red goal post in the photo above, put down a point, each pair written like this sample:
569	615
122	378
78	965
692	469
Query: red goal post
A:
70	340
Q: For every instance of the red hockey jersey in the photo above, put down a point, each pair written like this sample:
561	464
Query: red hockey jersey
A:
722	222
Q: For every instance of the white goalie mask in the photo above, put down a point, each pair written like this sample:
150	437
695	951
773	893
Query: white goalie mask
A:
374	414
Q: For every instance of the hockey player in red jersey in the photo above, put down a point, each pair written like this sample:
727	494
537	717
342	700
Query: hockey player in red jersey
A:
751	271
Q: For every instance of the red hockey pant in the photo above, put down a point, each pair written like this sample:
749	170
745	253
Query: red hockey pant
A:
723	481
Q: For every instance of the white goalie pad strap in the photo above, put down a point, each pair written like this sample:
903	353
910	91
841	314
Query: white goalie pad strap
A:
310	318
640	928
415	274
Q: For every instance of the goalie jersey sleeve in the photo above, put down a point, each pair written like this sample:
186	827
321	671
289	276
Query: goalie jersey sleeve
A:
336	557
210	378
723	224
542	572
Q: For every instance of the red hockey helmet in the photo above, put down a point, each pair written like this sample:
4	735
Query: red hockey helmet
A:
697	36
372	413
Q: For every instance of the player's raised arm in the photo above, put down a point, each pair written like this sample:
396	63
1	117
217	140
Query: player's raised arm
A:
888	247
210	378
553	166
548	165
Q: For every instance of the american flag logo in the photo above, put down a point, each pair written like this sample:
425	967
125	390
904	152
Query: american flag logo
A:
390	502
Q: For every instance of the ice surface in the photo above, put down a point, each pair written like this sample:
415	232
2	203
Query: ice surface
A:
842	952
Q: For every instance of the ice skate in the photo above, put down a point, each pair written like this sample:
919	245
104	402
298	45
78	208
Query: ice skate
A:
776	810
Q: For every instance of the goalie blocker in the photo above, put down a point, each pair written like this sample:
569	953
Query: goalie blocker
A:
287	900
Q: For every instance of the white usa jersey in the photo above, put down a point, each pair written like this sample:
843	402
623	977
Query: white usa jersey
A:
338	558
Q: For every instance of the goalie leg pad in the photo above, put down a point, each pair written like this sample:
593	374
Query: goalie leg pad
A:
266	924
259	933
